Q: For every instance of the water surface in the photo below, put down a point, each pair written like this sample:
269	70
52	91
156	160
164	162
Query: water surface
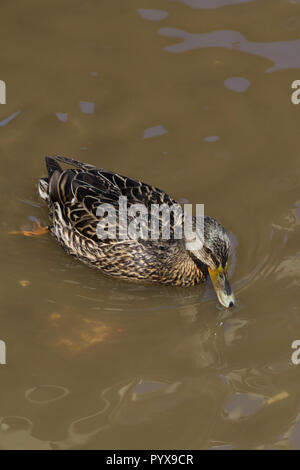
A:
195	98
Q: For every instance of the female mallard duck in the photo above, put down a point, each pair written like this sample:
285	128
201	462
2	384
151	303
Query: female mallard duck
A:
73	197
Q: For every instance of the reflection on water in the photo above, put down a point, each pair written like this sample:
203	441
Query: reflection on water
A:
238	84
212	3
6	120
152	15
178	96
283	54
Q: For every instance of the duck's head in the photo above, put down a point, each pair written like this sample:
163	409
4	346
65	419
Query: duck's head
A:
211	253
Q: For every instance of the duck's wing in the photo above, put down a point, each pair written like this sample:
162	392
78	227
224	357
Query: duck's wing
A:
106	181
81	190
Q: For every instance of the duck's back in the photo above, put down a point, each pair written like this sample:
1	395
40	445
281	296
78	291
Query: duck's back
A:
74	196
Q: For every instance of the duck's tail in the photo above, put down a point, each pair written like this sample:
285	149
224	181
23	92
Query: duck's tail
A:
69	161
43	189
52	166
47	187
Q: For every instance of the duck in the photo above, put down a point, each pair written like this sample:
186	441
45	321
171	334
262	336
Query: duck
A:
74	196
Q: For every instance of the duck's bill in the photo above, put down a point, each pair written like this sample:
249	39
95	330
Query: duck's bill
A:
222	286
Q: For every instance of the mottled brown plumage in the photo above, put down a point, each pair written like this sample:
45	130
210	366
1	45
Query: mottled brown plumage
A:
73	196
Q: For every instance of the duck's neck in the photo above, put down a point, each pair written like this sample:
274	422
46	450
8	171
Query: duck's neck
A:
181	268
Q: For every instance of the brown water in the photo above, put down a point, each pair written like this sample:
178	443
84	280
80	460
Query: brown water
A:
193	97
